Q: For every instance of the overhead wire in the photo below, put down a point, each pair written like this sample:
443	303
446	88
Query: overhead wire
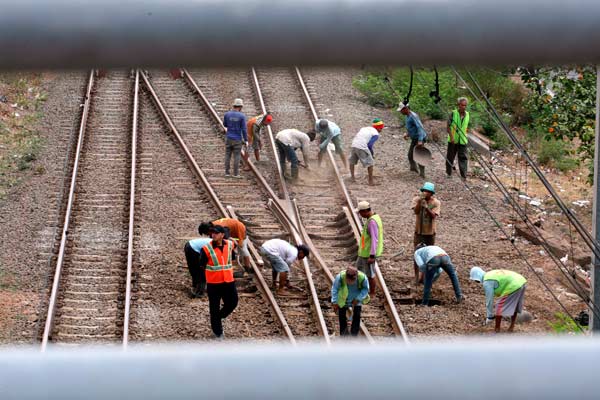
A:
507	196
584	233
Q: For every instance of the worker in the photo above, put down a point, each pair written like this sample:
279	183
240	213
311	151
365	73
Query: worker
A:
216	259
287	141
362	148
509	287
427	209
371	243
235	138
350	290
235	230
330	132
432	260
254	129
457	128
192	251
417	135
281	255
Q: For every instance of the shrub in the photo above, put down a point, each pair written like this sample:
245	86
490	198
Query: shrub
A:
564	324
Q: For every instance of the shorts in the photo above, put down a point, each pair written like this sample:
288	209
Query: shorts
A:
276	262
363	266
337	142
511	303
244	248
365	157
256	143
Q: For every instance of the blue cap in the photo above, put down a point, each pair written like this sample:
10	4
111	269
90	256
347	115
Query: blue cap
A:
430	187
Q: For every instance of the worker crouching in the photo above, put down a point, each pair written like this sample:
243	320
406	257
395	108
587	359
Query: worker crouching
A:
509	287
350	290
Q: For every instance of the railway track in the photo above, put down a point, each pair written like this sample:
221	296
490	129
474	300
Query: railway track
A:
197	124
323	202
87	302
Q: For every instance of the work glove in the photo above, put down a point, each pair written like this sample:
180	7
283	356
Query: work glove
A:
488	321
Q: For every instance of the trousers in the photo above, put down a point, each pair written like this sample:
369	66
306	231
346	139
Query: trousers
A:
411	160
196	271
354	328
432	274
233	147
226	292
463	158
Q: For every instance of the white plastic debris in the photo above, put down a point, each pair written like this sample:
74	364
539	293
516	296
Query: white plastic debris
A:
565	258
535	203
522	196
542	253
581	203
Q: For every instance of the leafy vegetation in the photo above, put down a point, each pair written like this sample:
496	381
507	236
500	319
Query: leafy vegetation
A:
564	324
20	142
562	104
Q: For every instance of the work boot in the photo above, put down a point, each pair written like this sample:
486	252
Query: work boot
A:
197	292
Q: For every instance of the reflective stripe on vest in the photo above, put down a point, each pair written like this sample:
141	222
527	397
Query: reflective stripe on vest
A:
459	127
365	239
343	291
219	268
508	281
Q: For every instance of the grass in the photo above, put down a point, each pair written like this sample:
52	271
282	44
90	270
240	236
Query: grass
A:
20	142
564	325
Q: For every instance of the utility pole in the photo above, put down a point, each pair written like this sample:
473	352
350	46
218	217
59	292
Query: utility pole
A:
595	284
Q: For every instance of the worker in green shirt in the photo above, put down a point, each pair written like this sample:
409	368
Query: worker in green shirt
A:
508	286
458	125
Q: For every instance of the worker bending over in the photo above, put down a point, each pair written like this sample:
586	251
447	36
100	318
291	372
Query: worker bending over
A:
431	261
350	290
281	255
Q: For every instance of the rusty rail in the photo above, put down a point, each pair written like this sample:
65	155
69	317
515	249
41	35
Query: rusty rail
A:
130	234
354	220
277	207
65	231
223	211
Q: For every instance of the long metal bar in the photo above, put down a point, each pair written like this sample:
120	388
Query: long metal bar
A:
535	367
195	167
292	230
223	211
595	277
73	34
263	183
264	287
354	220
321	262
65	231
130	234
263	109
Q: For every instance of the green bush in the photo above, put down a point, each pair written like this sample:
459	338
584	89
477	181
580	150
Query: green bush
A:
564	324
556	153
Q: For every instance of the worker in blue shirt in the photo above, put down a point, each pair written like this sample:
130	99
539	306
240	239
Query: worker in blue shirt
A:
432	260
350	290
330	133
417	135
193	250
236	137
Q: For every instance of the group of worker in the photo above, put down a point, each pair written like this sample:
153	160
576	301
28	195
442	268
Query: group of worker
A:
210	257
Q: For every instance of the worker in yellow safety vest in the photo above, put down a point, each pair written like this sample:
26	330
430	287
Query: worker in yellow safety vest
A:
350	290
371	243
216	259
457	128
509	287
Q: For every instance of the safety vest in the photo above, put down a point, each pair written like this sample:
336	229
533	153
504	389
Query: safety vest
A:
508	281
458	127
219	268
365	239
343	291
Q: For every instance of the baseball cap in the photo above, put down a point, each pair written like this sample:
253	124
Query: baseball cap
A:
363	205
402	105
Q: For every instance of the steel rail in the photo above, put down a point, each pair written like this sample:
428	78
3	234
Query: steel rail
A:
282	185
293	231
263	285
223	211
354	220
130	233
65	231
363	328
213	113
